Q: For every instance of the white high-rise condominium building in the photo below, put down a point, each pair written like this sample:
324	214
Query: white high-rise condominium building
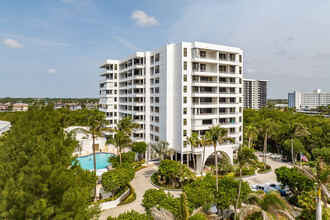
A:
254	93
176	90
308	100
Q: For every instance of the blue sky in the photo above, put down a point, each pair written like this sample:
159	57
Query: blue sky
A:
52	48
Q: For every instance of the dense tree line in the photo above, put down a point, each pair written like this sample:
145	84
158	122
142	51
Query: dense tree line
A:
47	100
39	178
285	124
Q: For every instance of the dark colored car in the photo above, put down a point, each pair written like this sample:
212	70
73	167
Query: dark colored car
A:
287	158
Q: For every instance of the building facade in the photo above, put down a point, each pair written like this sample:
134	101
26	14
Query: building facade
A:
254	93
308	100
174	91
20	107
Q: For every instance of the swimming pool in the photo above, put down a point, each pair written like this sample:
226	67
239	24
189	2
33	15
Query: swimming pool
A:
87	162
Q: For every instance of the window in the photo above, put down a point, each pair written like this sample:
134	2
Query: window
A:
184	144
185	89
232	57
157	57
184	133
222	69
151	109
152	59
157	80
115	75
185	65
203	67
202	54
240	58
157	90
156	69
151	127
156	119
115	113
184	111
185	78
185	52
115	66
115	106
156	138
222	56
185	100
157	99
157	129
157	109
184	121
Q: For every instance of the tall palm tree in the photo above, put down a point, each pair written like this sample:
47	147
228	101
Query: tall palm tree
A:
120	140
266	204
295	129
96	125
205	141
127	125
218	135
321	178
160	148
267	127
245	156
193	141
250	131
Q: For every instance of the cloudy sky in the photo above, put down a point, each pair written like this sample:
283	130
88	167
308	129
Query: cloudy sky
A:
52	48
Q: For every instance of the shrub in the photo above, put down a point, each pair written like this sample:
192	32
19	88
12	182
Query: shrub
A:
198	216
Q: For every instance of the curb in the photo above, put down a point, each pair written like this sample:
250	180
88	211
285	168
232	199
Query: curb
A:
237	178
174	190
266	171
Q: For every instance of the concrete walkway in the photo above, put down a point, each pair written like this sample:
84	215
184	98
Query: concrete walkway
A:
140	183
268	177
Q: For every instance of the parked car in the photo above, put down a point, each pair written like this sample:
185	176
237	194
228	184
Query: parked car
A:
275	156
267	154
266	188
278	186
287	158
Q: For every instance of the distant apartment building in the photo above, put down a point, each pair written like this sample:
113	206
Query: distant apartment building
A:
4	126
308	100
174	91
4	107
91	106
20	107
254	93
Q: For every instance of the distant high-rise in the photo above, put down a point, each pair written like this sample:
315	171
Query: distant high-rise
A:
254	93
308	100
174	91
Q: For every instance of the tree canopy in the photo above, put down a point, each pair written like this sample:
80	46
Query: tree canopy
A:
37	178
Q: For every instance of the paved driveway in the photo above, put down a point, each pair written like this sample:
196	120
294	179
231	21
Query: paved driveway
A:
269	177
140	183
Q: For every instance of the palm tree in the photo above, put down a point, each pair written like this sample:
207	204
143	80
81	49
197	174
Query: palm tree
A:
120	140
96	125
267	204
295	129
218	135
193	141
205	141
250	131
245	156
160	148
321	178
267	127
127	125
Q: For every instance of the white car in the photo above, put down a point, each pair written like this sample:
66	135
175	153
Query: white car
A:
266	188
273	156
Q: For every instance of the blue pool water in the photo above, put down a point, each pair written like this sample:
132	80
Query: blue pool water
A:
87	162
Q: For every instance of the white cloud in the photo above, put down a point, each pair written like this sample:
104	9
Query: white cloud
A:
142	19
13	43
51	71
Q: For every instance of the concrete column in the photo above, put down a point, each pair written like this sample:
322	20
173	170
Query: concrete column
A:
181	158
199	162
